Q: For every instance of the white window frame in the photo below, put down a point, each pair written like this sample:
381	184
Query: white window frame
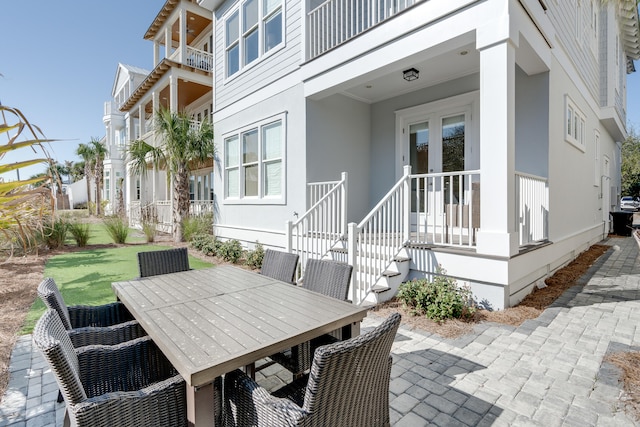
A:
574	125
263	18
261	198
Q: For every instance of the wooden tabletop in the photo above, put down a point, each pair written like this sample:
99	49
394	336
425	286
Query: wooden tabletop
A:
211	321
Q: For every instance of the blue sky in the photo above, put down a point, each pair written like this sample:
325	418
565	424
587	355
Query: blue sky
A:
59	60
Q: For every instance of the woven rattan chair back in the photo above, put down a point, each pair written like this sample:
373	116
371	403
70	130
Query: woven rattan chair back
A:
279	265
327	277
50	294
153	263
51	337
349	381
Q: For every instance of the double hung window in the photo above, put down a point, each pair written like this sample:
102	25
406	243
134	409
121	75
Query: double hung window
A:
575	123
254	162
251	31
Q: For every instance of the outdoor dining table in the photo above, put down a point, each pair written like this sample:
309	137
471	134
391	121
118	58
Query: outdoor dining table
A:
211	321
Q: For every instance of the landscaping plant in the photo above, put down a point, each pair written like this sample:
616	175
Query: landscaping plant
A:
438	299
80	232
117	228
230	251
255	257
197	225
24	204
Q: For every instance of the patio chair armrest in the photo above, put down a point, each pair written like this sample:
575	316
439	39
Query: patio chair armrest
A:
106	335
124	367
163	403
246	403
111	314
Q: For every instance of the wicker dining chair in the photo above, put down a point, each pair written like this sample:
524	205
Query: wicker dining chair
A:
348	386
279	265
153	263
330	278
106	324
130	384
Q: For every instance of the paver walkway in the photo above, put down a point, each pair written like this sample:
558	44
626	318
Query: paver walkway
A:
548	372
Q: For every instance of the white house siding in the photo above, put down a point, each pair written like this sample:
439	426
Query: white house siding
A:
263	71
262	220
338	140
572	22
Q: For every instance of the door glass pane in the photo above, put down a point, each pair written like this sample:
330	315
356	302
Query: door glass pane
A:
419	147
419	160
453	130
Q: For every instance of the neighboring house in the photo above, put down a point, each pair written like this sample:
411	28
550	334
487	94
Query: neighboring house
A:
479	136
127	79
181	80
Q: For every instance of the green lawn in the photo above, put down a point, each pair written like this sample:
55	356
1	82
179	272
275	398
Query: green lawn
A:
85	277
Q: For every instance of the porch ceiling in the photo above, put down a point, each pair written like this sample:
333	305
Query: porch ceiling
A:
445	66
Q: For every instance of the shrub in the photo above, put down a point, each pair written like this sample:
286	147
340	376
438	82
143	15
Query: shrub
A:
54	233
231	251
197	225
439	299
206	243
80	233
117	228
254	257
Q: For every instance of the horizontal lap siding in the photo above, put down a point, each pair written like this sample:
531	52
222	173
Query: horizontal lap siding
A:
264	71
562	14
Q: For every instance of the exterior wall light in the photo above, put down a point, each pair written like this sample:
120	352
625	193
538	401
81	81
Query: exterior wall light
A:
410	74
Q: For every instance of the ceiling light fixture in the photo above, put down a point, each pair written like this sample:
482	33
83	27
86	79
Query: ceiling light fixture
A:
410	74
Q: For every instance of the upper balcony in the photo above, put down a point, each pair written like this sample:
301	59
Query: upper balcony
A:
184	29
335	22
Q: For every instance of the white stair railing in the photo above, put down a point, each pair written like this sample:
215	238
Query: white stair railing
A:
322	227
377	240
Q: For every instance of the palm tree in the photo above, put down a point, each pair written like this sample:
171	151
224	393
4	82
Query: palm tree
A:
99	151
23	203
182	148
86	152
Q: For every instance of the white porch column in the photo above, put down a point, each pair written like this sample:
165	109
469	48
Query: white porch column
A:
173	93
141	120
156	53
183	36
497	234
167	41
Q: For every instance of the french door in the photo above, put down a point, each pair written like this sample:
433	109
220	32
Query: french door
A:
438	140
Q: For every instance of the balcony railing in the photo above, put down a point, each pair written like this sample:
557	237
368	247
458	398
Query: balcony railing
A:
195	58
337	21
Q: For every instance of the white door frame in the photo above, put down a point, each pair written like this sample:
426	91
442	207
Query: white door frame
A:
433	112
